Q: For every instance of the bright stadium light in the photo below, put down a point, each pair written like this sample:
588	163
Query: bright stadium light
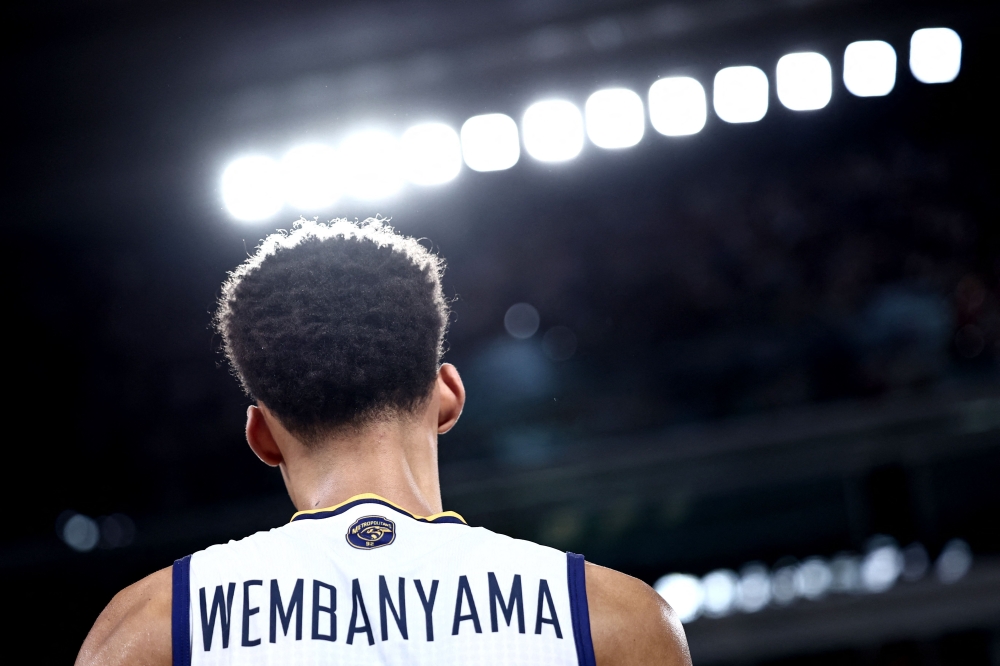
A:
371	165
869	68
615	118
881	567
783	589
310	177
677	106
251	188
684	593
935	55
740	94
813	578
720	592
753	591
432	154
81	533
805	81
490	142
553	130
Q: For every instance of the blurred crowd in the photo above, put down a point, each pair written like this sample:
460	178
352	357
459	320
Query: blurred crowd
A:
741	288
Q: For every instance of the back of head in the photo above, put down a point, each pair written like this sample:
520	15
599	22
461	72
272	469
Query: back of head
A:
335	324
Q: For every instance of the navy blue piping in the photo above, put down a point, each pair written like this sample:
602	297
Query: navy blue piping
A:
350	505
180	612
578	609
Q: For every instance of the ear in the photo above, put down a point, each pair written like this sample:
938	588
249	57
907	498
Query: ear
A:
260	438
451	391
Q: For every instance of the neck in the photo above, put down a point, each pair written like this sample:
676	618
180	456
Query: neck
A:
395	459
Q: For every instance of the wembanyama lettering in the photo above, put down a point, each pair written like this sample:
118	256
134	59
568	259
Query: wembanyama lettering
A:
270	610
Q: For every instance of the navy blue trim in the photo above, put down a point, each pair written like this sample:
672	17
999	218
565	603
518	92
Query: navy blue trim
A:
578	610
350	505
180	612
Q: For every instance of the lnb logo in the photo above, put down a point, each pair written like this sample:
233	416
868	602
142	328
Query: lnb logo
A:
370	532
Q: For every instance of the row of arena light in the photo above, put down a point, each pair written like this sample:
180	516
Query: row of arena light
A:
724	591
374	164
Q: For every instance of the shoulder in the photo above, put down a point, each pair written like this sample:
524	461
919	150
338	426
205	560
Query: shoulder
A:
630	623
135	626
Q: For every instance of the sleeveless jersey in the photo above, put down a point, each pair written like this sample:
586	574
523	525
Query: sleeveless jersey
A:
366	582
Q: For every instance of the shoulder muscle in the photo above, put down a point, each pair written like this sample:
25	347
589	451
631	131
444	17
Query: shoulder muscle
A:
630	623
135	626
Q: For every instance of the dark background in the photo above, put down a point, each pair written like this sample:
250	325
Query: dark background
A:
788	331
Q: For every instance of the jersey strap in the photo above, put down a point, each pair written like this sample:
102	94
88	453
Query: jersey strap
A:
579	611
180	612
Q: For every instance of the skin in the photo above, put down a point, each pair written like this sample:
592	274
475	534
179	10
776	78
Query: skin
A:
395	458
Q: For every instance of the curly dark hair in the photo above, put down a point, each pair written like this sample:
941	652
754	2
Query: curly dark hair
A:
335	324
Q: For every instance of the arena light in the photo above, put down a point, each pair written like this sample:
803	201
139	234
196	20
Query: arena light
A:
740	94
720	592
813	578
615	118
805	81
677	106
684	593
846	569
881	567
869	68
80	533
954	561
553	130
753	591
431	153
251	188
935	55
371	165
310	177
783	588
490	142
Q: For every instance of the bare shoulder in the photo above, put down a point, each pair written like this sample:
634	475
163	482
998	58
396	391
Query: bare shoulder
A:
135	626
630	623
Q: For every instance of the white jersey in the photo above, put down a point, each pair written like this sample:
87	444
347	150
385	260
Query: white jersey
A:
366	582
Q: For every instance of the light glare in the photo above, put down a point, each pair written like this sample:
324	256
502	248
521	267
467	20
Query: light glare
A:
740	94
783	590
81	533
251	188
813	578
677	106
805	81
521	320
869	68
310	176
684	593
753	591
954	562
881	567
935	55
371	164
553	130
432	154
490	142
846	570
615	118
720	592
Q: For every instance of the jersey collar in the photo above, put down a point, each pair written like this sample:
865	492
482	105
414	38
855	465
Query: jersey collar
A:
370	498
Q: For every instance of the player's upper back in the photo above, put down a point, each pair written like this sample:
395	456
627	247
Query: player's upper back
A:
367	582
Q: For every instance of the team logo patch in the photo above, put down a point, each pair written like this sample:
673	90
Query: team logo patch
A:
371	532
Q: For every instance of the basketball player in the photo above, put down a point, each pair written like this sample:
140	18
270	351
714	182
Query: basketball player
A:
336	333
